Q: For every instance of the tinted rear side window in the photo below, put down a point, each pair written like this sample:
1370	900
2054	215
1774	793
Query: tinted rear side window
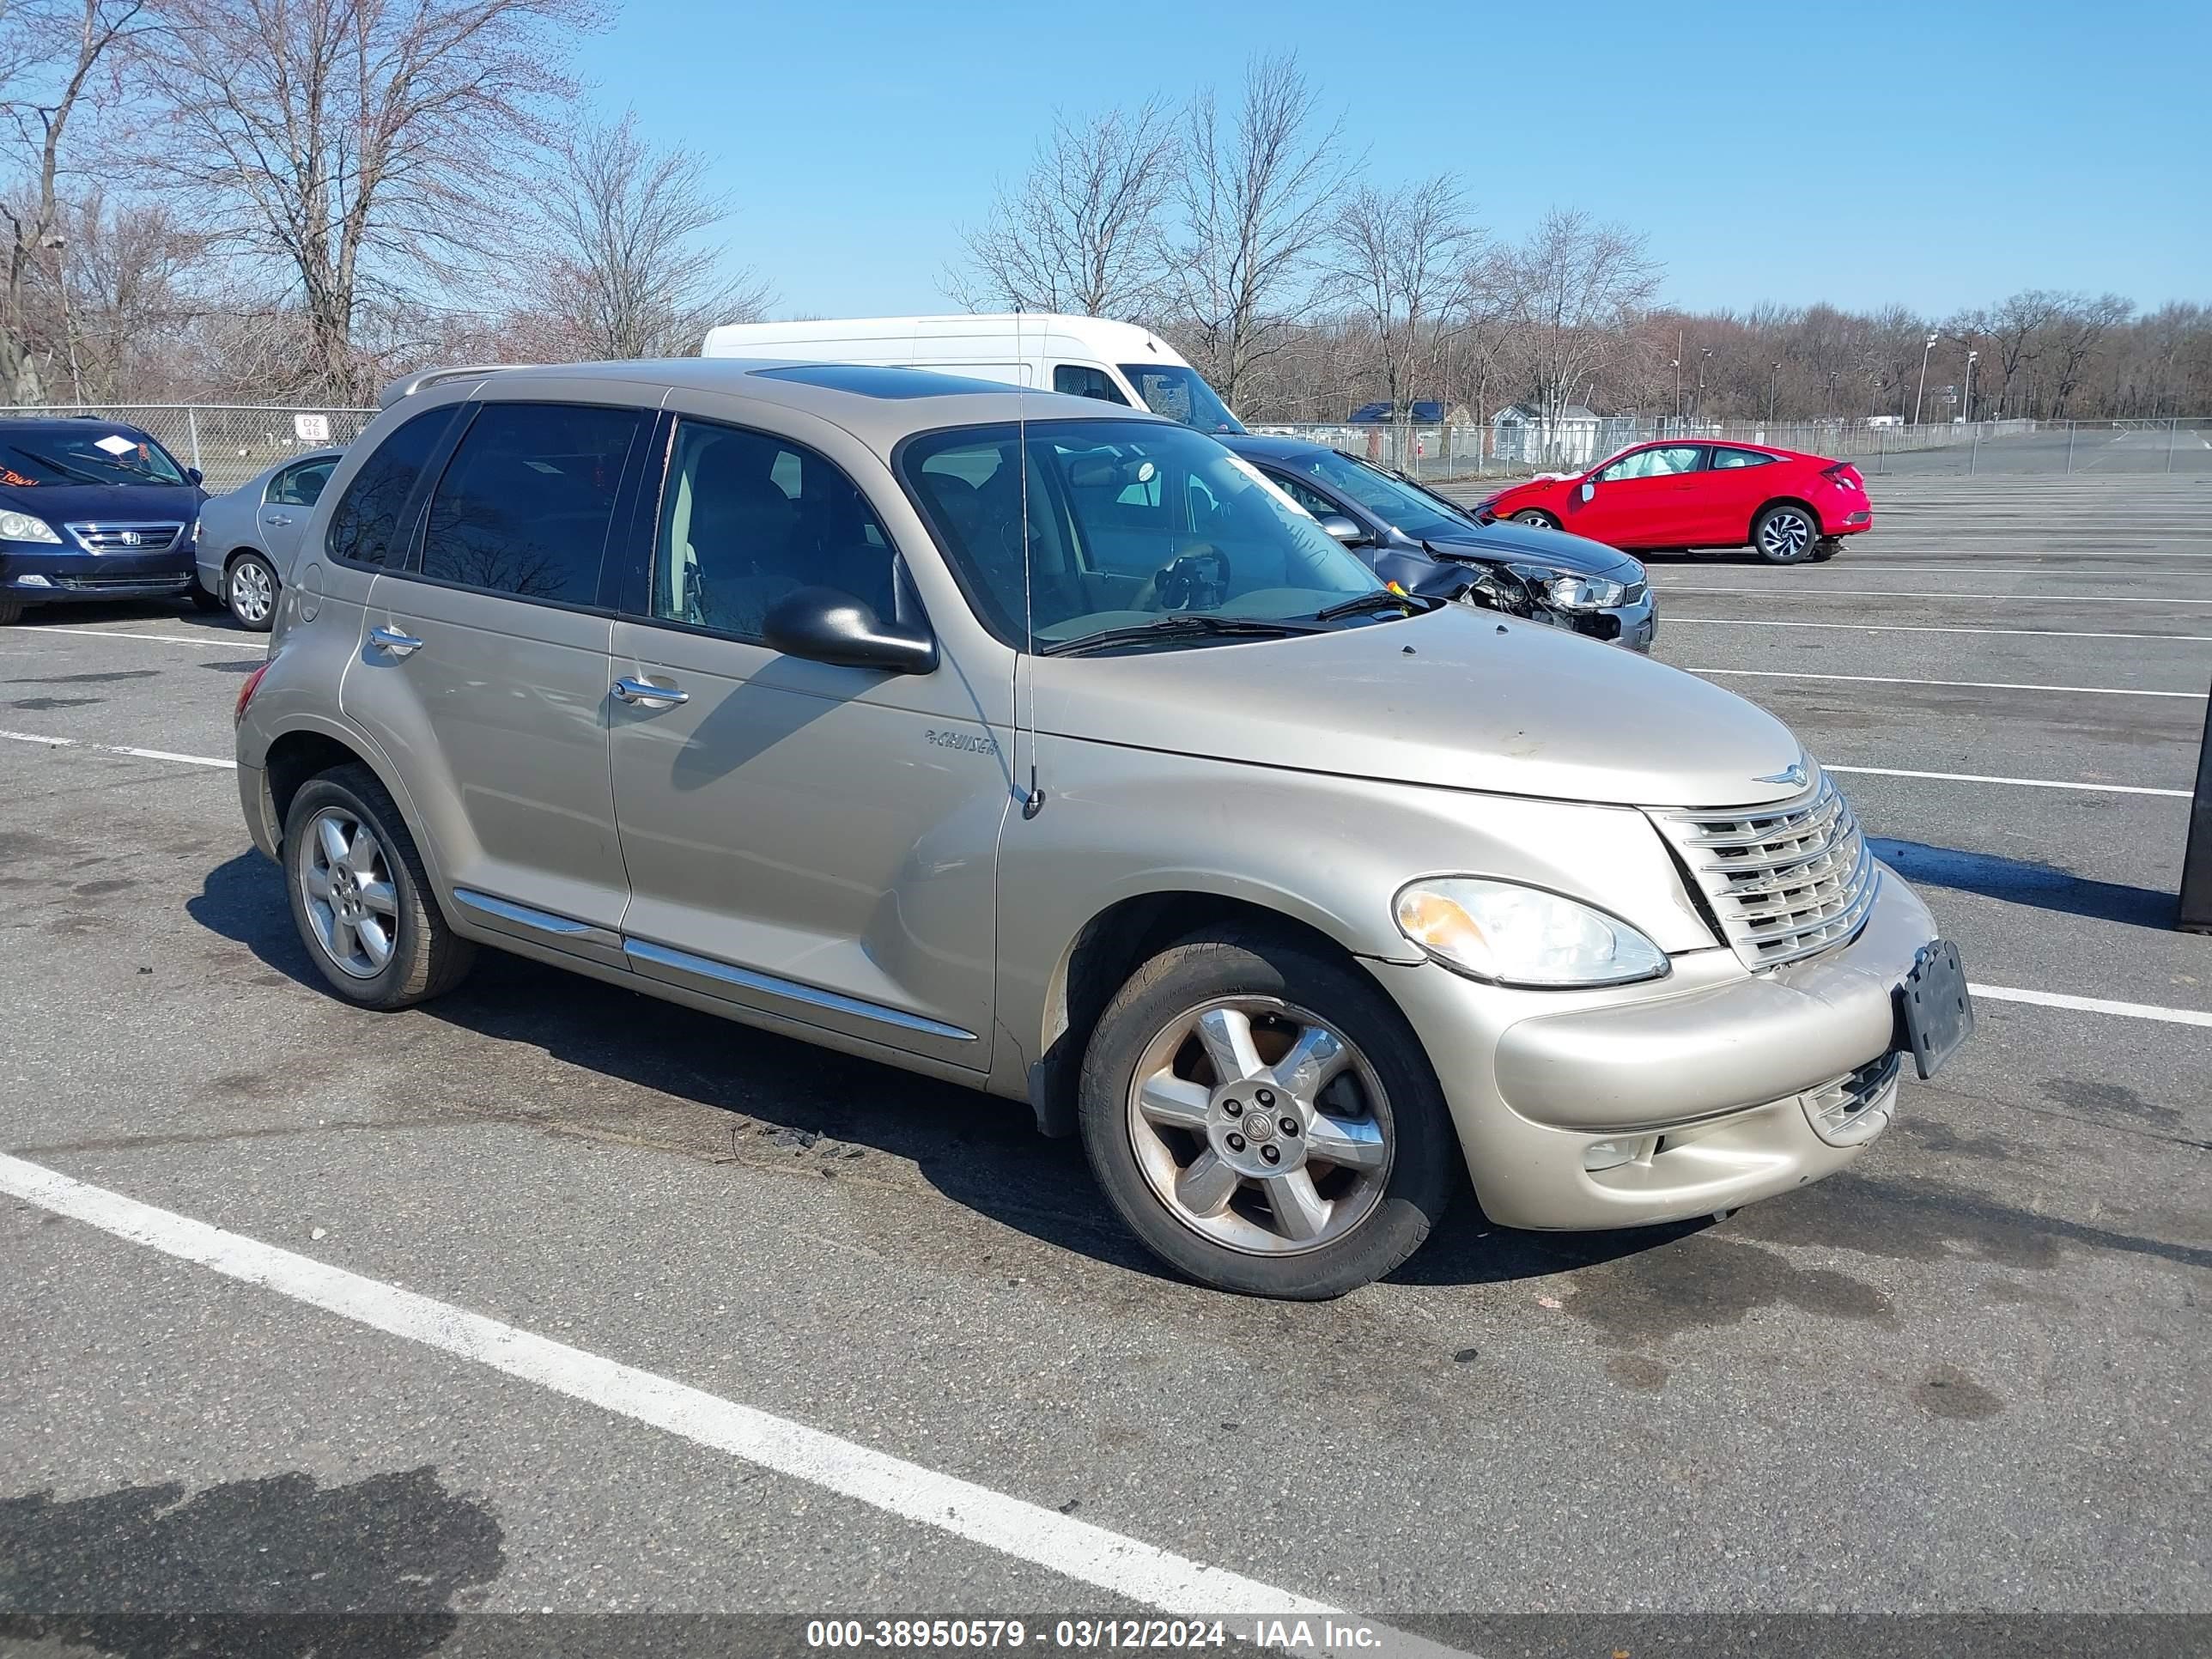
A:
366	529
524	505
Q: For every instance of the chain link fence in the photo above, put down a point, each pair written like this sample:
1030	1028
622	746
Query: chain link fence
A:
229	442
1514	449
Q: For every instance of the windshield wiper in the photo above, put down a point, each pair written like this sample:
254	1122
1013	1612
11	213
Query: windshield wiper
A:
1381	599
1182	625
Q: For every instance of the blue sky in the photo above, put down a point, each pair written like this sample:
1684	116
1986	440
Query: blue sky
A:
1937	155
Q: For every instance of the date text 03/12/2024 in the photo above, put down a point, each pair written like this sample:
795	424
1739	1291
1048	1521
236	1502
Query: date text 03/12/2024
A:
1294	1635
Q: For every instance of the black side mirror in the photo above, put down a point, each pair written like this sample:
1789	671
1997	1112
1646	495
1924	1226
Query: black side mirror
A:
193	475
823	624
1345	530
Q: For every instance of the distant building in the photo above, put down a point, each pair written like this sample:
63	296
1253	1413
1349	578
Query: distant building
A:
1422	412
1519	432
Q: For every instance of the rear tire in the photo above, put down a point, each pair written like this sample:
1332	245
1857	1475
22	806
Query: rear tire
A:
1536	518
1369	1166
250	588
1785	533
363	907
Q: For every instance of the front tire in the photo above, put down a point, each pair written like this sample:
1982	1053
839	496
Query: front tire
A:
249	591
10	610
1264	1120
204	600
1827	549
361	896
1536	518
1785	533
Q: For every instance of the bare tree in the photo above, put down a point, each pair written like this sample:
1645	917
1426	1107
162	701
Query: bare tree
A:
1572	292
626	273
126	272
1081	232
364	146
2076	326
1397	260
54	51
1257	192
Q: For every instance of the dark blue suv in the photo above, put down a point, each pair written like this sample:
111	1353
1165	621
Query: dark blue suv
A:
92	509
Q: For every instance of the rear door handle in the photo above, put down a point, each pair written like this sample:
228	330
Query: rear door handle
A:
645	692
391	639
276	517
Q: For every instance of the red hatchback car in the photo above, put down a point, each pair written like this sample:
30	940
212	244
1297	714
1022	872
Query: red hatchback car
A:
1683	493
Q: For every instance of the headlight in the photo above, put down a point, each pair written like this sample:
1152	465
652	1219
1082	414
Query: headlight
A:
1513	935
1584	593
22	527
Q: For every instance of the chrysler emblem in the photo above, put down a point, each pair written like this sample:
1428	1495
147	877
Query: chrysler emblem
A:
1795	774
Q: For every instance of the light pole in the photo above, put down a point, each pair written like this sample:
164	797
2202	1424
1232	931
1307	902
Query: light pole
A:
1677	367
1773	369
1973	357
1698	405
1923	393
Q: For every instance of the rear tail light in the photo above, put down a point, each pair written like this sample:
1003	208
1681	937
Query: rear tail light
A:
1844	474
246	691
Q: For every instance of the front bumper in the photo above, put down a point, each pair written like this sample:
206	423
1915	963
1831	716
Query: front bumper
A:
40	573
1635	626
1711	1080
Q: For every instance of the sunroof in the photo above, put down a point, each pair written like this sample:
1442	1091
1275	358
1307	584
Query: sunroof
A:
874	380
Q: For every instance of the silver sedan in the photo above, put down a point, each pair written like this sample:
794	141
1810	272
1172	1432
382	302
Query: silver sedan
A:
249	538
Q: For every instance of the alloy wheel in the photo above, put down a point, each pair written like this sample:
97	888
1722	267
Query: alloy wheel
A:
1785	536
1260	1126
346	879
252	594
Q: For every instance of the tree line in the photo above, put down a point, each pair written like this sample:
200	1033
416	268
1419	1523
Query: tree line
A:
279	200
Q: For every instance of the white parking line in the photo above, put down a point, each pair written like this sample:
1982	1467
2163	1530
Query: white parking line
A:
2093	1004
116	749
1894	593
1977	685
2022	783
1090	1554
118	634
1916	628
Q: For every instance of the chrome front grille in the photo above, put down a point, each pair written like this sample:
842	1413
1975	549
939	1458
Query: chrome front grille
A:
126	537
1785	881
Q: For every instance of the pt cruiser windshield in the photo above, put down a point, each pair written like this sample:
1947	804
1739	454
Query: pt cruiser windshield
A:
1128	524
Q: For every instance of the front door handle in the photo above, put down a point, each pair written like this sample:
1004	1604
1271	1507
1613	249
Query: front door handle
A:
652	695
391	639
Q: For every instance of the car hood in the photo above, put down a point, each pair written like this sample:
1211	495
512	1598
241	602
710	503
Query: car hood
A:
60	504
1556	549
1459	698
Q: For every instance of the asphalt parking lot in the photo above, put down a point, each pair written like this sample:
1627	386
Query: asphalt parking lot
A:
1966	1376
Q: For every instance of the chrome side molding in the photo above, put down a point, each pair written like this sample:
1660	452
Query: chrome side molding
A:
566	929
707	968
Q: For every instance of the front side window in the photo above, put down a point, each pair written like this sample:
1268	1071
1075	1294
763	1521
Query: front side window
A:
1312	500
1410	512
1180	394
526	503
1729	460
746	519
301	485
1083	380
1095	524
1659	461
366	528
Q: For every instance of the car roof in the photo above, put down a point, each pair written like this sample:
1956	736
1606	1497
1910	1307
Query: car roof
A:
1270	443
877	405
69	424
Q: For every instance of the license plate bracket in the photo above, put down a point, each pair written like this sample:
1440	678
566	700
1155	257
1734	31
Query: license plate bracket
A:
1934	1010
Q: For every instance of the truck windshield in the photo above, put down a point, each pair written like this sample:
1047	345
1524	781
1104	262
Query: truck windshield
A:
1180	394
1410	512
1129	522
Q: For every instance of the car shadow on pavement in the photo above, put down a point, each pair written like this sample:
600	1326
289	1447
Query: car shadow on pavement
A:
278	1566
780	1099
2017	881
